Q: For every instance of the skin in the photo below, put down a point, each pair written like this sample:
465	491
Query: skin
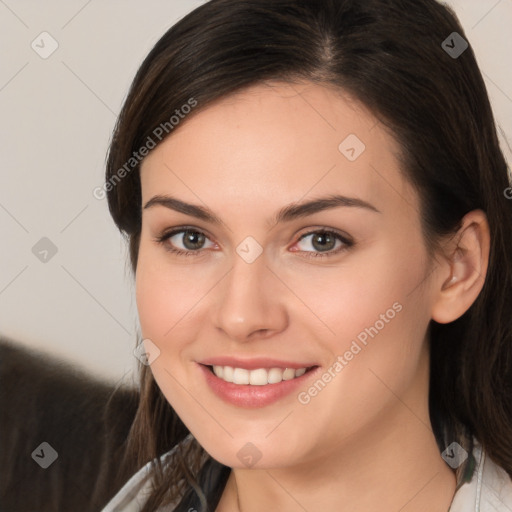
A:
364	442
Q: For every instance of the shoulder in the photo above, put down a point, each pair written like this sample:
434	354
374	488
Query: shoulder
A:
496	486
134	493
488	488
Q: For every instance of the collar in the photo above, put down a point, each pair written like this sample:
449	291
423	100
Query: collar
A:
482	485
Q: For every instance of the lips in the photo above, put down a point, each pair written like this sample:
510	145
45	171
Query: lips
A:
241	392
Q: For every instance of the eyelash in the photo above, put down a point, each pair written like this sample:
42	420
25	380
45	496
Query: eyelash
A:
162	239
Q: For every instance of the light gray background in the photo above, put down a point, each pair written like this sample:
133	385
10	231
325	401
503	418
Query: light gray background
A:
57	115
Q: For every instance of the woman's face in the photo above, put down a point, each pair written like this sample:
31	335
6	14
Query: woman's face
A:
341	286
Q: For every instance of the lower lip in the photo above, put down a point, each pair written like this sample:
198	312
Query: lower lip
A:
245	395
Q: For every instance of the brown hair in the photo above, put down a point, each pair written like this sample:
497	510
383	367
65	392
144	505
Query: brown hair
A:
388	54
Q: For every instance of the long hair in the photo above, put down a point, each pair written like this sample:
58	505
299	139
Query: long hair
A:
390	55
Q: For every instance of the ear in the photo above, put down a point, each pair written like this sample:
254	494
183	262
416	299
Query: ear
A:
462	275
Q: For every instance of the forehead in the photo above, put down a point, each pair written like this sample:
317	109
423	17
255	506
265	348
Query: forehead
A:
280	142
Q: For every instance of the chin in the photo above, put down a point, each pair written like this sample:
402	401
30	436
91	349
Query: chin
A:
247	452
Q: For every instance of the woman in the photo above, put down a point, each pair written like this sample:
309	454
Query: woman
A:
313	194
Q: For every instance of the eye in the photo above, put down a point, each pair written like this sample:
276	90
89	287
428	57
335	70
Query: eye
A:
192	242
326	243
184	241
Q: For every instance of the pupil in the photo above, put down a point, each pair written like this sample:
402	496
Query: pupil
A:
323	241
193	240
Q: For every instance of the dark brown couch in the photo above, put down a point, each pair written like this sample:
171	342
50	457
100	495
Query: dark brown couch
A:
84	420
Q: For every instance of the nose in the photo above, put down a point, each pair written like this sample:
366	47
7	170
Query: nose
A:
250	302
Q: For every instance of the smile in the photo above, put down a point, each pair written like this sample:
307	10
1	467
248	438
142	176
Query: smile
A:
256	387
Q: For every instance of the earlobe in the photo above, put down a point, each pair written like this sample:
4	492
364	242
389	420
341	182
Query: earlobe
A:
466	269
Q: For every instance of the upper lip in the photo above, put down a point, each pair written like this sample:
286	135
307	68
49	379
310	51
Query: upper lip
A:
253	363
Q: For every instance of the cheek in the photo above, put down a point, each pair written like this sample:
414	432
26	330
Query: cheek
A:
165	294
154	304
378	317
369	283
379	336
162	305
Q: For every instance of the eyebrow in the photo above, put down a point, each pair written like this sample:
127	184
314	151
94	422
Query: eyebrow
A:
286	214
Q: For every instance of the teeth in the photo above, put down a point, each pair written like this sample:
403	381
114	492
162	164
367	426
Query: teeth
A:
225	372
241	376
275	375
258	377
289	374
